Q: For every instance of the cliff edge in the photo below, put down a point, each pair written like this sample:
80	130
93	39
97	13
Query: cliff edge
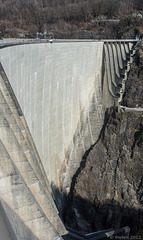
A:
107	189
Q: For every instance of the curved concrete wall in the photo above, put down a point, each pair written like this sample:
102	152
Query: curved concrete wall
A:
53	84
117	58
25	195
59	88
63	90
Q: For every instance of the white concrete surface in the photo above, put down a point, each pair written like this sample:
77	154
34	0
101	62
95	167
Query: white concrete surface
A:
60	88
53	84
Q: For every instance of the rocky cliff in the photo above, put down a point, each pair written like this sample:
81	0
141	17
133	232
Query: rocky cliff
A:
107	189
133	96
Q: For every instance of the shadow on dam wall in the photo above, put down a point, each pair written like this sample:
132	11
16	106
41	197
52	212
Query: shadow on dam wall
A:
13	225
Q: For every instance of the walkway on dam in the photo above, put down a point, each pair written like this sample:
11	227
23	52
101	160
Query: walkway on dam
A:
129	109
10	41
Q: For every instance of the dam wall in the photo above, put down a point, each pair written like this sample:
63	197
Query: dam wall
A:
53	99
26	204
63	90
53	84
118	57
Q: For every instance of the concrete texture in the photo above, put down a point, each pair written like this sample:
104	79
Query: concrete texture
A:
62	90
56	85
25	195
5	233
108	189
52	95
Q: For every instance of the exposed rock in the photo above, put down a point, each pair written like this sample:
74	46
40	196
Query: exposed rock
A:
107	189
133	96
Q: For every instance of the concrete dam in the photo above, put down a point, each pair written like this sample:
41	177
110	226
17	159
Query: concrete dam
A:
53	99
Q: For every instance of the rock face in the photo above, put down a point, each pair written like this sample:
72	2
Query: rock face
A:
133	96
107	189
107	192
